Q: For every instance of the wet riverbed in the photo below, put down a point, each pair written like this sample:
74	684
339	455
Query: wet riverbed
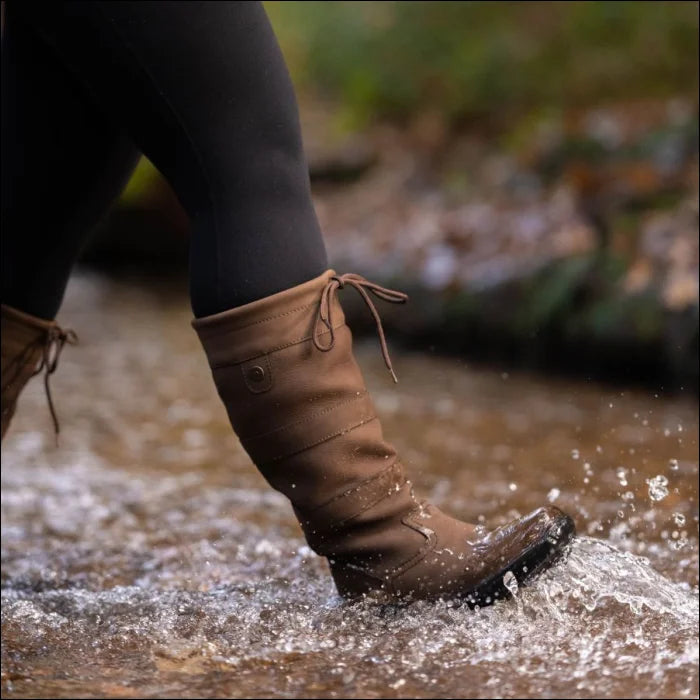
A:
145	557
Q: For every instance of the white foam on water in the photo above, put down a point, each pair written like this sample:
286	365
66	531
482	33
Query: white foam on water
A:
230	591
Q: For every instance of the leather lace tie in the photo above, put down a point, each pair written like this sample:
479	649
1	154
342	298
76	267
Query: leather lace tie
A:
56	338
363	287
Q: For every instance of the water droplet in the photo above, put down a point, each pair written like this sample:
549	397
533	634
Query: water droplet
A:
513	487
679	519
575	454
553	495
621	475
681	542
511	583
658	487
673	464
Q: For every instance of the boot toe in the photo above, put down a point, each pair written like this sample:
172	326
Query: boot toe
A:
524	548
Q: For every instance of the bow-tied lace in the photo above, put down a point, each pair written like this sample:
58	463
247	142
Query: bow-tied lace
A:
324	320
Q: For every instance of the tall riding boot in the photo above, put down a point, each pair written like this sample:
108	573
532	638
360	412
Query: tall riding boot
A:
29	345
295	396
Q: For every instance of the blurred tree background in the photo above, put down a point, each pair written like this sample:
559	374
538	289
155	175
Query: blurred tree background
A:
528	171
490	60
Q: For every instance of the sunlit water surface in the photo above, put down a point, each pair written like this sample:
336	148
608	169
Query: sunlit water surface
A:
145	557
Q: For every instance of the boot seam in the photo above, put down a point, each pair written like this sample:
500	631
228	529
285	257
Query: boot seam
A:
342	431
324	394
22	319
350	518
431	542
417	558
255	323
337	525
297	341
353	489
311	417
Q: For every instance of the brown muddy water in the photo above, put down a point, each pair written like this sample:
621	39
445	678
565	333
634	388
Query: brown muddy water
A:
145	557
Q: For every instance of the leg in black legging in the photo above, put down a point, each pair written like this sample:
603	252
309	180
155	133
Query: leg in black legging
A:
203	91
63	163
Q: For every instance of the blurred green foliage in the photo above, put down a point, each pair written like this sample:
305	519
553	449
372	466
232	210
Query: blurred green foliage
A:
471	59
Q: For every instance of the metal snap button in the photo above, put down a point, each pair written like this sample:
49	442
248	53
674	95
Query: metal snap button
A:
256	373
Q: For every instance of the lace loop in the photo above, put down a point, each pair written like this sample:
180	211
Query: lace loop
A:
364	287
56	338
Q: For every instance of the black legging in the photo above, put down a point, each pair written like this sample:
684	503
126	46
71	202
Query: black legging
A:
202	90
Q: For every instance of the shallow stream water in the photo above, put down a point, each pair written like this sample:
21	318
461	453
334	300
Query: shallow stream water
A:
145	557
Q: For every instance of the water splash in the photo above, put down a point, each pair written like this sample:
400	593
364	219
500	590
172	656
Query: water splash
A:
553	495
602	608
101	567
621	473
511	583
658	487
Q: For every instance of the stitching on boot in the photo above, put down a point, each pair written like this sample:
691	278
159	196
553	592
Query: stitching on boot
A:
265	320
342	431
429	545
349	360
353	489
378	499
298	341
301	421
415	559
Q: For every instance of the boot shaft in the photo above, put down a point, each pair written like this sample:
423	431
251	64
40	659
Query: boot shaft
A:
29	345
23	340
298	402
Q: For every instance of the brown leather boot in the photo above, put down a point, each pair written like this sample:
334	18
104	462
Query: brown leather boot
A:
29	345
295	396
